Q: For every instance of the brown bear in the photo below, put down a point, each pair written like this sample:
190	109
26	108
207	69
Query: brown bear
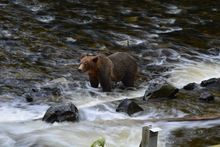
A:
119	66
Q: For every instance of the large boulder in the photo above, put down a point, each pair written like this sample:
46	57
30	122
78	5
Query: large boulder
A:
129	107
160	89
210	82
62	112
212	85
190	86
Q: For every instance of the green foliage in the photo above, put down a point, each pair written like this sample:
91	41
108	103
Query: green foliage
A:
99	142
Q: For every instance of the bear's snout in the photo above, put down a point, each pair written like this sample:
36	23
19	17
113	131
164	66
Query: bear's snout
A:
80	69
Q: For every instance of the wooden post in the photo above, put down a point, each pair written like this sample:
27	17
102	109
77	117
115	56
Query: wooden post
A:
145	136
149	136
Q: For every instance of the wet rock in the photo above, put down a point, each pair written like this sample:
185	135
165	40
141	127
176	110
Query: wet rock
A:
48	93
208	82
195	136
29	98
55	91
34	90
190	86
129	107
157	68
62	112
214	51
160	90
207	97
214	43
3	56
170	54
54	87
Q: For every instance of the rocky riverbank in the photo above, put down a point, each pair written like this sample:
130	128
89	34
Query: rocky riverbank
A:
193	98
197	102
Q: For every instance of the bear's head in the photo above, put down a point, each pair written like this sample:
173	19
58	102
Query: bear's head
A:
88	63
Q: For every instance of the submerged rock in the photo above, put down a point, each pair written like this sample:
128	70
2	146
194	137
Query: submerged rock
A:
206	96
129	107
48	93
55	91
62	112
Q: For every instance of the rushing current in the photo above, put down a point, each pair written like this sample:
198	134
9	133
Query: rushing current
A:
41	42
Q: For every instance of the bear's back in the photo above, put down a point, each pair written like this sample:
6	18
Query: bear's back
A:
123	64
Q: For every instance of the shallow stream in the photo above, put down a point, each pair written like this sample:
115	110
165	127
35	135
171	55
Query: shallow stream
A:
40	45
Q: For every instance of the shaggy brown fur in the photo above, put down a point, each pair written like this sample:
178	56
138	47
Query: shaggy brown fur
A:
119	66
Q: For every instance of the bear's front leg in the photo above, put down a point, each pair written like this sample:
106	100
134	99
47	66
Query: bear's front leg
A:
93	80
105	81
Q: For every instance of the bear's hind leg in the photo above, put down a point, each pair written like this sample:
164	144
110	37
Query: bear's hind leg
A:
106	85
128	80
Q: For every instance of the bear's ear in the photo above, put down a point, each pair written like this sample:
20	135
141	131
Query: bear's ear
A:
95	59
83	55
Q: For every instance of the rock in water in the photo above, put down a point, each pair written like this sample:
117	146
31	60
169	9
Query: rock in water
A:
62	112
209	82
160	90
206	96
212	84
190	86
29	98
128	107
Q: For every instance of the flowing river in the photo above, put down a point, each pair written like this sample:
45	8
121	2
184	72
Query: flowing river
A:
41	42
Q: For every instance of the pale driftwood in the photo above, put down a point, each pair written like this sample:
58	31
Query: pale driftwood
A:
212	116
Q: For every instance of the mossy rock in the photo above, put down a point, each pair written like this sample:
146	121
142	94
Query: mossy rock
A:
161	91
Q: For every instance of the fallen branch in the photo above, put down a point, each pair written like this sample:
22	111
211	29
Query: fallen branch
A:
189	118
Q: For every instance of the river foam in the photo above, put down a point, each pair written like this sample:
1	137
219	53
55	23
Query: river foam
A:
195	72
18	110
